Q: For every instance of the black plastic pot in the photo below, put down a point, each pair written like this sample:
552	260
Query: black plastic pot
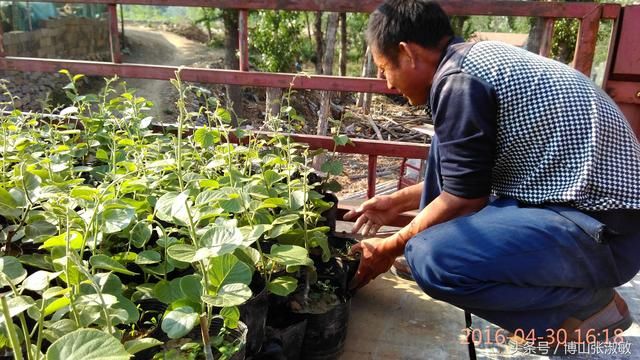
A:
149	309
331	215
254	314
292	339
239	333
326	333
285	331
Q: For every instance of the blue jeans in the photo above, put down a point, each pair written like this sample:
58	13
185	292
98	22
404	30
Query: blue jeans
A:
520	266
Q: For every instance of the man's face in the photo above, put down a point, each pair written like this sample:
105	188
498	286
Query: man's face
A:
409	75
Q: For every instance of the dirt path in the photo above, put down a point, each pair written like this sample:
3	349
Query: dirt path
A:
155	47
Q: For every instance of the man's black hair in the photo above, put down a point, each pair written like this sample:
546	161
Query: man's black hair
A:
419	21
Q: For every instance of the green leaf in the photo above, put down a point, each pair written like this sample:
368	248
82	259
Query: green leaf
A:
167	164
179	322
11	270
341	140
283	285
148	257
208	184
271	177
106	263
163	206
333	186
252	234
144	123
227	269
231	316
248	255
224	115
140	234
182	252
204	137
75	240
191	287
69	111
167	291
117	219
6	198
133	185
279	230
290	255
333	167
220	240
286	219
137	345
298	198
40	261
17	305
84	344
8	206
85	193
179	209
229	295
102	154
39	280
40	228
56	305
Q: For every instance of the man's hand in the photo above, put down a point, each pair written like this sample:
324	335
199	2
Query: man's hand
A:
373	214
376	257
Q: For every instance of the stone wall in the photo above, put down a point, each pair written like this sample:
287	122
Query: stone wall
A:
64	38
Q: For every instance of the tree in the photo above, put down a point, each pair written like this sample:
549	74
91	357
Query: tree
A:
276	37
368	70
319	42
231	62
344	48
327	68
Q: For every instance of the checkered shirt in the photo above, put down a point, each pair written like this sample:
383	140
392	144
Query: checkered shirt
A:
560	139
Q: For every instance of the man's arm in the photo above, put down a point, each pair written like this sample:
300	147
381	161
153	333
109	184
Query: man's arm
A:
443	208
378	254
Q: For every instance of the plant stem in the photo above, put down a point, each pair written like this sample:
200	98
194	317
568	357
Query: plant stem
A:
204	329
13	337
181	117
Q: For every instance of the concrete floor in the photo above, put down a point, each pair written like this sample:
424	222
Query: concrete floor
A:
392	318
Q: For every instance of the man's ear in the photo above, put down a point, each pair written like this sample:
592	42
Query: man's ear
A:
405	49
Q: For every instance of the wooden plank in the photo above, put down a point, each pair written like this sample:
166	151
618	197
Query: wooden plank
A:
213	76
357	146
243	36
611	11
624	91
586	44
368	147
371	176
452	7
627	60
114	36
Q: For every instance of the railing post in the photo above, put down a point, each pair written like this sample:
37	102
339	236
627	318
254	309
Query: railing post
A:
586	44
1	42
547	37
114	39
243	37
371	176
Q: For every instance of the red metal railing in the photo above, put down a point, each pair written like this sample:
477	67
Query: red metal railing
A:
589	15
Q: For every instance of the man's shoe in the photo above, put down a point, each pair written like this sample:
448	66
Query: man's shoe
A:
605	325
401	269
